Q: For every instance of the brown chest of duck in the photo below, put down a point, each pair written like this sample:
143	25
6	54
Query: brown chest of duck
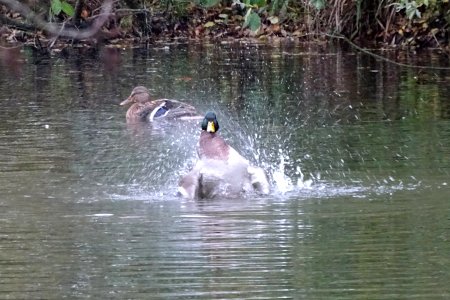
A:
211	145
144	109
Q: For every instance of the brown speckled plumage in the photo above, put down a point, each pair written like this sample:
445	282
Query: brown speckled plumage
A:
142	107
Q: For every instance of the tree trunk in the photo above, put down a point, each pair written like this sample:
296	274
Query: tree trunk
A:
141	18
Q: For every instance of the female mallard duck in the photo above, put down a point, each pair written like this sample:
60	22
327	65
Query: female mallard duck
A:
220	170
144	109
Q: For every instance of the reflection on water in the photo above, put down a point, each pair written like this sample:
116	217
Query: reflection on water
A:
357	151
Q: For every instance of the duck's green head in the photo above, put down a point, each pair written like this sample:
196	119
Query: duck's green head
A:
210	123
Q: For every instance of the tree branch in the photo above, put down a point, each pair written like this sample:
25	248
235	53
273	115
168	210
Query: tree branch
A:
78	10
56	30
17	25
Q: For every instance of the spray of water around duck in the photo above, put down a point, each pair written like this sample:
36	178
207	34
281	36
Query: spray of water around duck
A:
159	175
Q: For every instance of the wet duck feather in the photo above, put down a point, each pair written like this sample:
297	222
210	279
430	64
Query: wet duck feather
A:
220	170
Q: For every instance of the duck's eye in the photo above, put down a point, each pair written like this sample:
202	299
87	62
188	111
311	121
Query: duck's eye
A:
160	112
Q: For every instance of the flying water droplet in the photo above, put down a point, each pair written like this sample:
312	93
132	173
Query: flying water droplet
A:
283	183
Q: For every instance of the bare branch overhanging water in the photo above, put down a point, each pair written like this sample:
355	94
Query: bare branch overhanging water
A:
62	30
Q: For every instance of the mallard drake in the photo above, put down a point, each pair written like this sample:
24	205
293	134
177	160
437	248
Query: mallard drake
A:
144	109
220	169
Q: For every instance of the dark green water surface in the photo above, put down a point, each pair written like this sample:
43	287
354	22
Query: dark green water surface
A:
357	150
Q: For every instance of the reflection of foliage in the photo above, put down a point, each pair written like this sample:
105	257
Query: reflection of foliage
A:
278	96
423	97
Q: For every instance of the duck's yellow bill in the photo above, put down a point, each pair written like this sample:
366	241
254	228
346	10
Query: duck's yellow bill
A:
211	127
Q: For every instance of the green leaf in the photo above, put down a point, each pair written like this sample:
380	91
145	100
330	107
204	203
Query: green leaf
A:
56	7
273	20
246	20
418	14
252	21
318	4
209	24
67	9
247	17
210	3
259	3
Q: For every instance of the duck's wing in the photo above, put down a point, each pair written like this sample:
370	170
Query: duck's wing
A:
256	175
141	111
177	110
259	180
188	187
208	179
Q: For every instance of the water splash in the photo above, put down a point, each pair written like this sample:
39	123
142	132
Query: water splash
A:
284	169
283	183
303	183
303	186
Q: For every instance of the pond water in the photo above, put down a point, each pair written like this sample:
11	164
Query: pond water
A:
357	151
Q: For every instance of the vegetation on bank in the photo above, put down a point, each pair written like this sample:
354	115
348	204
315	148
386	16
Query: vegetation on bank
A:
411	23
